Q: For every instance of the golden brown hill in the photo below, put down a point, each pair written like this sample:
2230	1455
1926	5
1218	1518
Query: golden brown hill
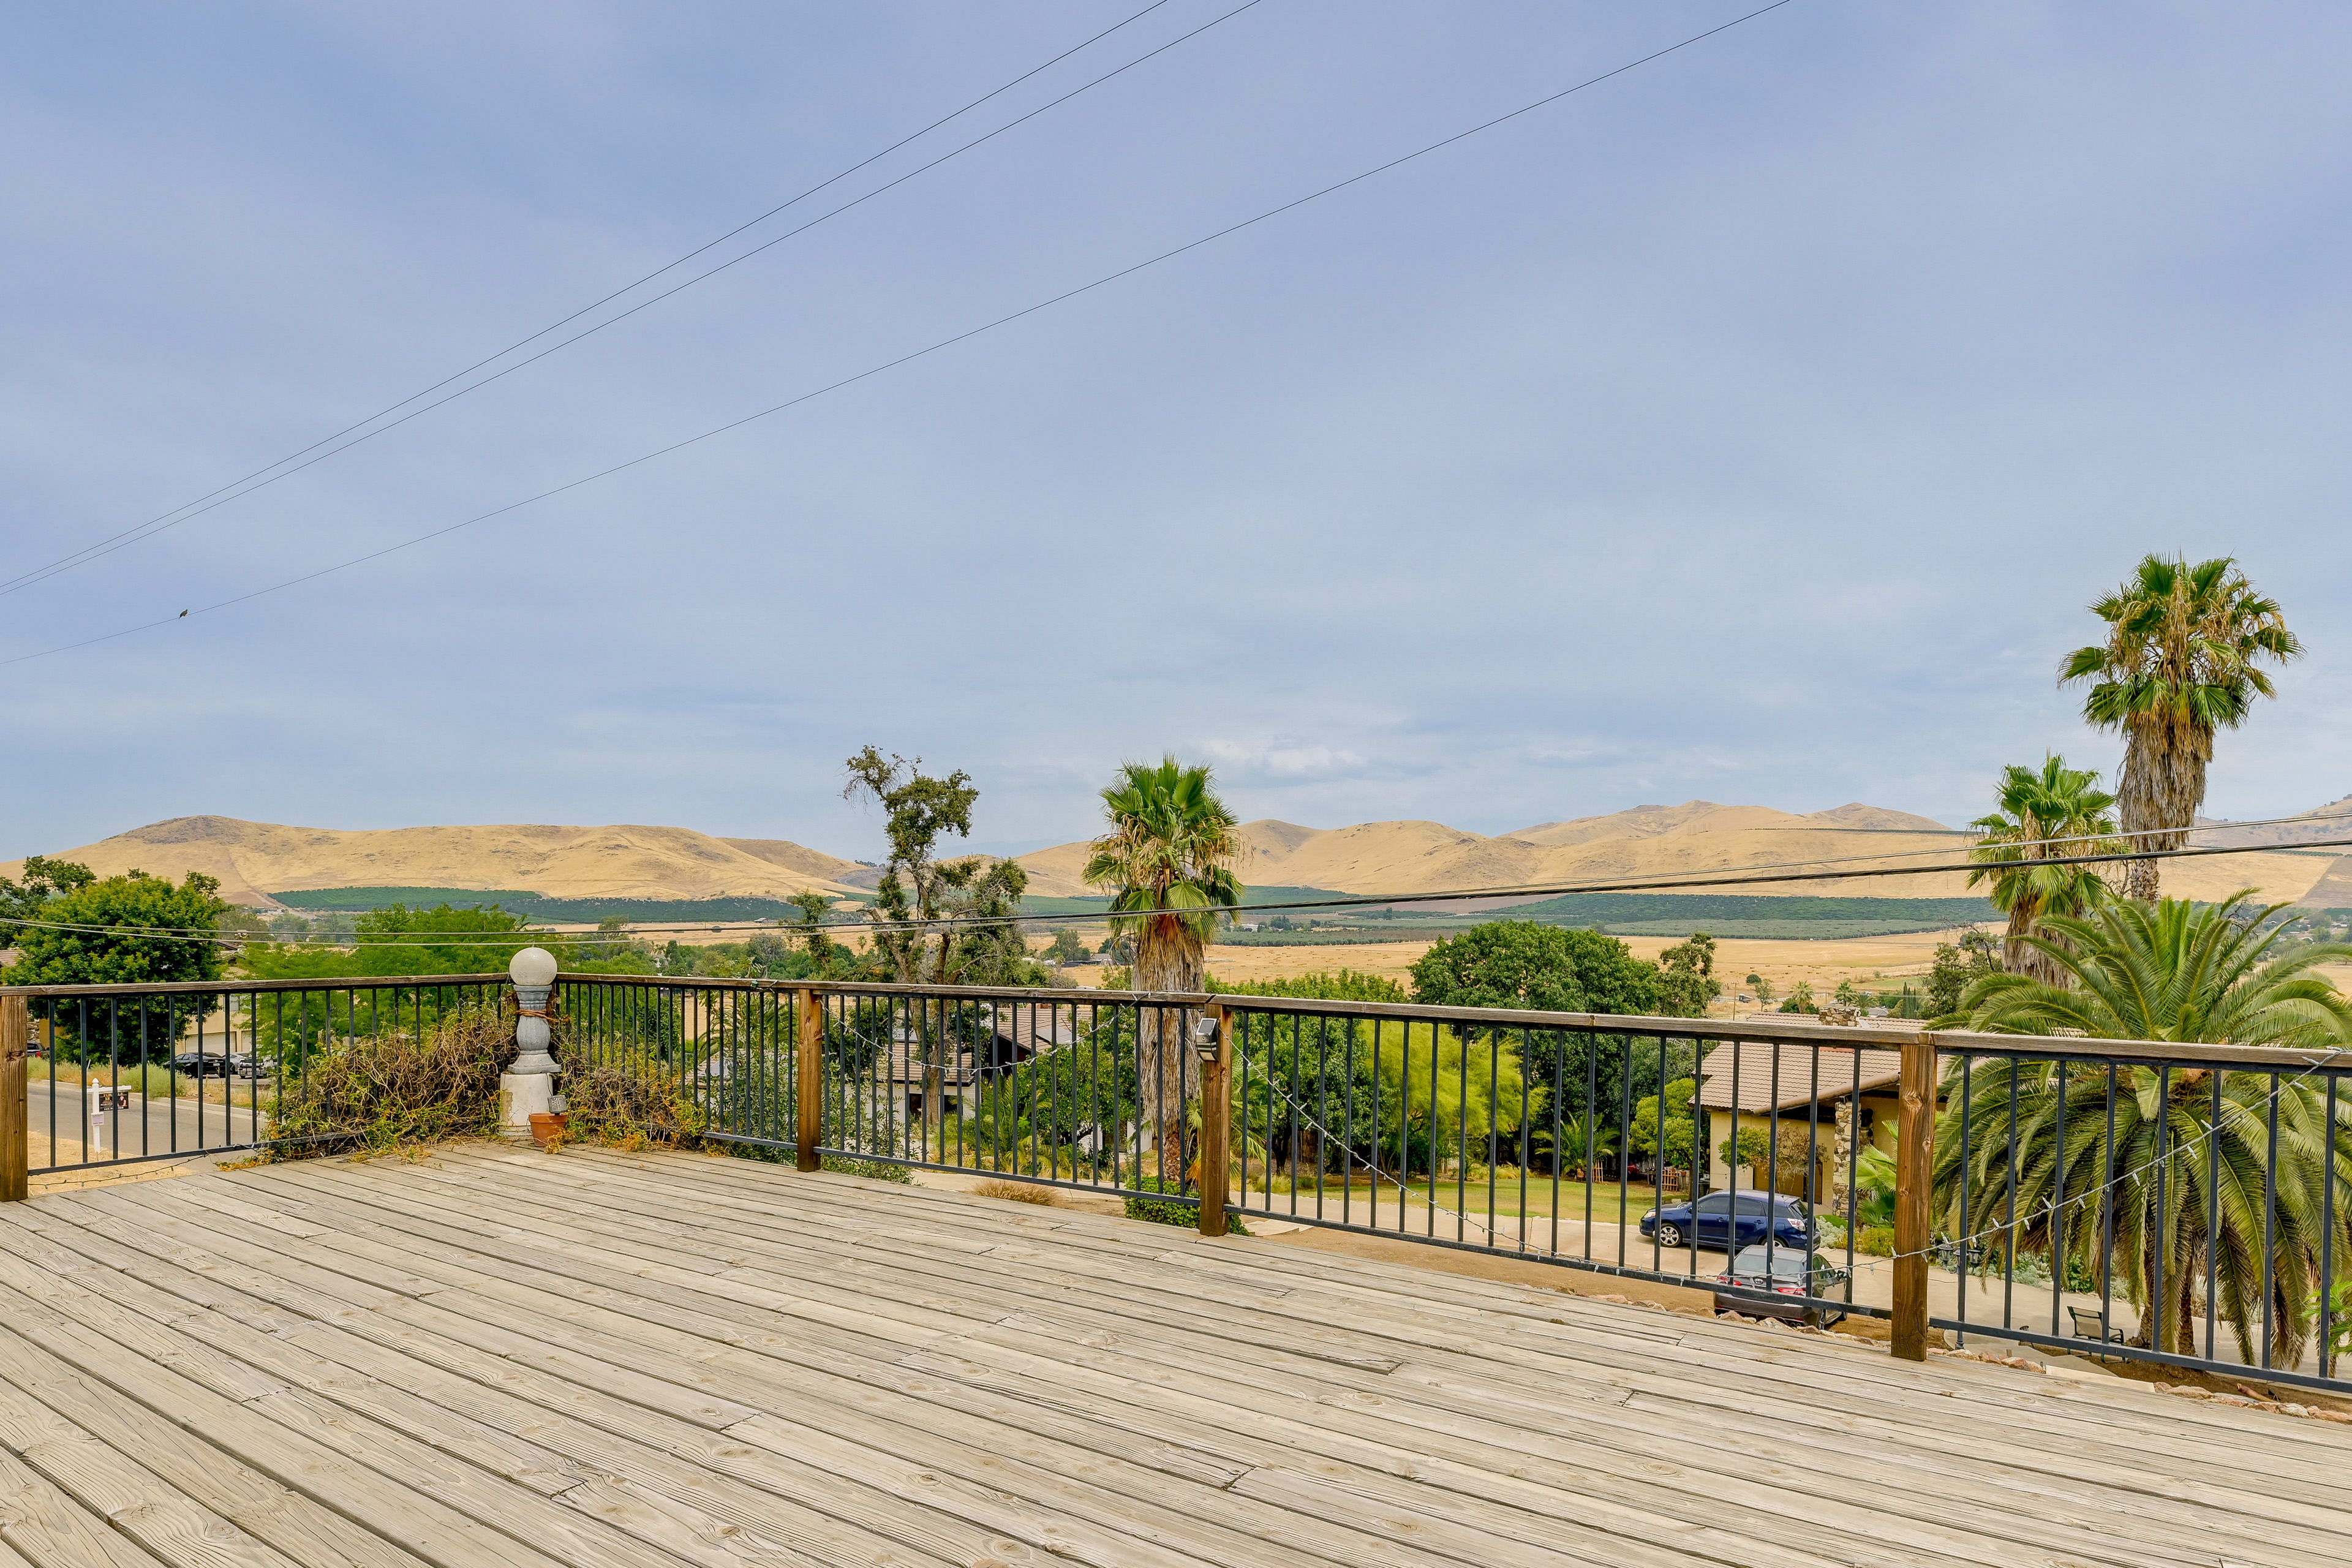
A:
1696	838
254	859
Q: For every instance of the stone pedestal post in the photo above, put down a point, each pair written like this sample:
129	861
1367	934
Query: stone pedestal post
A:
529	1087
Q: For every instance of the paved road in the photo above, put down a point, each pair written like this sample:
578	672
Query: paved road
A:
146	1127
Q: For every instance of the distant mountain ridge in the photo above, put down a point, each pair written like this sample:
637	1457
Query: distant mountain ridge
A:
1697	838
255	859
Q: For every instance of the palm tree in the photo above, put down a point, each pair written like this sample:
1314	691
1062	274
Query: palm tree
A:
2172	972
1169	855
2180	660
2056	813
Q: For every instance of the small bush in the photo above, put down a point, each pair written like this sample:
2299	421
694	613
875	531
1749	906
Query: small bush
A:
872	1170
623	1111
391	1091
1017	1192
1160	1211
1877	1241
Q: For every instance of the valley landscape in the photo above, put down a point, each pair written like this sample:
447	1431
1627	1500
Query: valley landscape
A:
677	882
255	862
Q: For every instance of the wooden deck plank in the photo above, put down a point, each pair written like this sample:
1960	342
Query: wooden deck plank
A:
2143	1527
66	1500
2187	1427
623	1359
1501	1522
1748	1462
1850	1374
2130	1406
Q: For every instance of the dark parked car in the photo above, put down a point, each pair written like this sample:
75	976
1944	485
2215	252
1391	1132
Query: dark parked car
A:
1729	1220
1782	1271
212	1064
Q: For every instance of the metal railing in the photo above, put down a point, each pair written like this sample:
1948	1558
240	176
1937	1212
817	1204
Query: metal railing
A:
114	1074
2043	1191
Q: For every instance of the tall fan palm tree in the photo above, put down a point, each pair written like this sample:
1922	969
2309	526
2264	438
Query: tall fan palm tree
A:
1169	857
2182	1140
2181	660
2057	813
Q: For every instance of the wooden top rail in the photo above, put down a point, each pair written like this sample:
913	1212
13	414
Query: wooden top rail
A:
1767	1030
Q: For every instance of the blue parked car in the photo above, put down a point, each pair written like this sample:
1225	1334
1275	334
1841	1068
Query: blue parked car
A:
1732	1220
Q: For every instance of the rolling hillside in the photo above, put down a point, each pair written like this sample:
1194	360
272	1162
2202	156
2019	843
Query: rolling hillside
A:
1696	838
254	859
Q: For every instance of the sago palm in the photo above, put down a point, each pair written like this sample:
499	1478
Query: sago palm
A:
2135	1210
2182	659
1168	859
2056	812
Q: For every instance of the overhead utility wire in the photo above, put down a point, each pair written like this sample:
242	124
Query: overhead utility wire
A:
1743	873
474	938
904	358
240	489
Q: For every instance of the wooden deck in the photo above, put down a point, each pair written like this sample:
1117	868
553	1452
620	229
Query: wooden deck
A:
591	1359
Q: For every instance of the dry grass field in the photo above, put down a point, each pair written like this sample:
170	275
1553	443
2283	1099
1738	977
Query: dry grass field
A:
1866	960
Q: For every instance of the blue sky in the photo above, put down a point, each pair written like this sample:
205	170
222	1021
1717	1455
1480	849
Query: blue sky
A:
1754	426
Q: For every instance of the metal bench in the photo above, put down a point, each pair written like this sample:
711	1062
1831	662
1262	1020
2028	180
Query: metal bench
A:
2087	1326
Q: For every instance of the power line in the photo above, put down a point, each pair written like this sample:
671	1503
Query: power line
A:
910	357
1744	878
245	485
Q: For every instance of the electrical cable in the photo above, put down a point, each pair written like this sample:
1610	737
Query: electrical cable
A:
903	359
196	934
643	304
222	496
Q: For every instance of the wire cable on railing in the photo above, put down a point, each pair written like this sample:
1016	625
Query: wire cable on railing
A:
909	358
203	503
2328	1061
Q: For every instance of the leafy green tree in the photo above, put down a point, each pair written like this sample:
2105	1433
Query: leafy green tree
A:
921	895
1801	999
1762	989
1329	985
613	951
44	880
116	930
1956	966
1679	1138
1687	982
1539	968
1067	946
1169	861
2056	813
1752	1148
934	922
443	940
827	959
2182	657
1583	1142
2172	972
1542	968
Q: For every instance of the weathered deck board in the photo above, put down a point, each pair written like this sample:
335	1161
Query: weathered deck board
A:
499	1356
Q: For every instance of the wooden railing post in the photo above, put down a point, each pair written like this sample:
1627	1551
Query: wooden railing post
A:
1217	1124
16	1039
1914	1174
808	1047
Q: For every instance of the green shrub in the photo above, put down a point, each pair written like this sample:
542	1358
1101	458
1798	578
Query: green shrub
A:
1877	1241
1161	1211
872	1170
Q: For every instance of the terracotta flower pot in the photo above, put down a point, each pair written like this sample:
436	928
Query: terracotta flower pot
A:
546	1128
